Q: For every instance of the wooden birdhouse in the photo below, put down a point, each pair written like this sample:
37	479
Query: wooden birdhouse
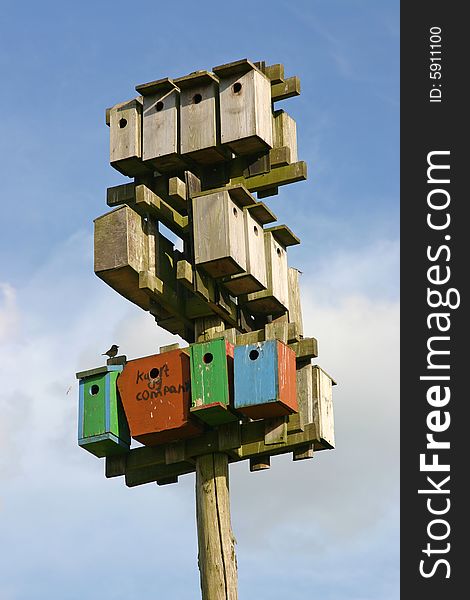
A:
102	425
125	122
322	406
285	139
121	252
160	125
219	234
136	260
212	381
265	380
245	108
255	278
199	119
155	392
275	299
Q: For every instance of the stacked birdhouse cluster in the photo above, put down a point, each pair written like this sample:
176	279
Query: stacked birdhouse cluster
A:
188	241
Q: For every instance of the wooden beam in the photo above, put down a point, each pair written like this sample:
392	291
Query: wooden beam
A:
287	89
217	562
276	177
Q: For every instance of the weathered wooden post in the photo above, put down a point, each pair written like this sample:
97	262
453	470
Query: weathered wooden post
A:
199	148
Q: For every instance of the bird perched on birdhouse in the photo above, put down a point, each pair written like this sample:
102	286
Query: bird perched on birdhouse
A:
111	353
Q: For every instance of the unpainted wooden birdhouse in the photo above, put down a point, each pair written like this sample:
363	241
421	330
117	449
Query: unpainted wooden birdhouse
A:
315	399
264	380
121	252
322	406
102	425
137	261
245	108
160	125
155	392
254	279
125	123
219	234
199	119
212	381
275	299
285	139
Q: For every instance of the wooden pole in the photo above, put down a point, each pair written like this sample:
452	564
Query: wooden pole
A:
217	560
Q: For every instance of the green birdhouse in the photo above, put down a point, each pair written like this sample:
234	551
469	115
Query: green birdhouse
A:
102	424
212	381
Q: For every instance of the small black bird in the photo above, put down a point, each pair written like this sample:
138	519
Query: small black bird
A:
111	352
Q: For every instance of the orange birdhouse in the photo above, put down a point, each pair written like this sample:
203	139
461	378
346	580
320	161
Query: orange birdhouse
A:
156	396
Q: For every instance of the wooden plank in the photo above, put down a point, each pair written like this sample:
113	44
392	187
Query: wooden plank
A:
175	452
262	213
323	405
276	177
305	349
184	273
285	134
275	431
303	452
217	562
177	193
157	473
169	348
287	89
229	436
260	463
144	201
274	72
304	385
274	191
142	460
280	157
284	235
277	331
295	306
115	466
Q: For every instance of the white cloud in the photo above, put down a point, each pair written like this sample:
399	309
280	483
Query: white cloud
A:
8	311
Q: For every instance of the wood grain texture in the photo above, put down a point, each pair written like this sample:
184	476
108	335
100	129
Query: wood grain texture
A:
275	299
199	123
219	234
287	89
254	279
323	405
217	560
245	112
160	128
295	305
285	133
125	136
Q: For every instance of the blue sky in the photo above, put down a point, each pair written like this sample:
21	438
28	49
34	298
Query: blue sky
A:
326	527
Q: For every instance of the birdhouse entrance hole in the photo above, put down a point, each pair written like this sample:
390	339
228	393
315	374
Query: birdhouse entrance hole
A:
207	358
94	389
